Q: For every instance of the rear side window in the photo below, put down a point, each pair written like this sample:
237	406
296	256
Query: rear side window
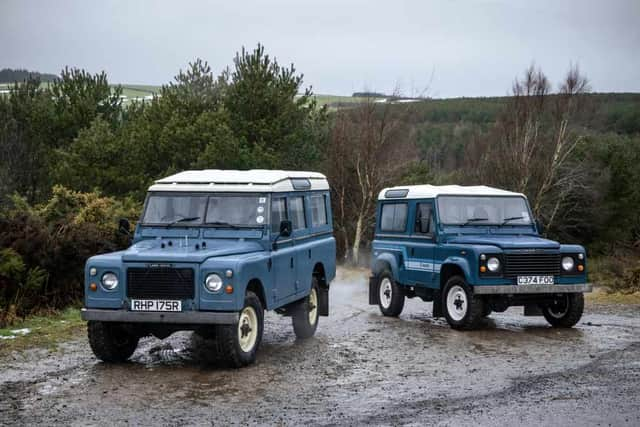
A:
278	213
296	213
393	217
318	210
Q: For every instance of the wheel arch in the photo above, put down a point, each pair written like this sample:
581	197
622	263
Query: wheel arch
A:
450	269
385	261
255	286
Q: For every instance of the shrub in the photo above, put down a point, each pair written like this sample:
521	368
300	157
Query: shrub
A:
620	273
46	247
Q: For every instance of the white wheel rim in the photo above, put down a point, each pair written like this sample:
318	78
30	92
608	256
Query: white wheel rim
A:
313	306
247	329
457	303
386	293
559	314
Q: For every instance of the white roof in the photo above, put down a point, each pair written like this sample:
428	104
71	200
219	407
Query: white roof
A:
255	180
431	191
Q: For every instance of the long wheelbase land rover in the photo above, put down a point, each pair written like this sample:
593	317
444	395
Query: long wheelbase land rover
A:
213	250
472	251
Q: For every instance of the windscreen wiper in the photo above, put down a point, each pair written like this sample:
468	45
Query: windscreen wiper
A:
512	218
183	219
222	224
470	220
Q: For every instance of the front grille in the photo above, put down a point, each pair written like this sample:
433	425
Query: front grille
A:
527	264
160	283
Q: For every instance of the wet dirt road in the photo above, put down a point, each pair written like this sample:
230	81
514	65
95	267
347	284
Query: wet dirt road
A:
360	368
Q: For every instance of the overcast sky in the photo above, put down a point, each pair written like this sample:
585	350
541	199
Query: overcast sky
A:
454	47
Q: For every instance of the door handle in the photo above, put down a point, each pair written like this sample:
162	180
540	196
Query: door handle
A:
412	251
291	262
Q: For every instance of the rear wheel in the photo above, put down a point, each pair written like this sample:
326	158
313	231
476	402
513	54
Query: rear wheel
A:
390	295
462	309
566	311
238	344
110	342
305	313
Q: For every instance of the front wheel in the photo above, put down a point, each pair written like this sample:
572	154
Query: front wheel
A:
305	313
238	344
110	342
462	309
565	312
390	295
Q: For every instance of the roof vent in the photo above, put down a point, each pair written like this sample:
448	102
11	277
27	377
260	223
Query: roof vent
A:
300	183
396	194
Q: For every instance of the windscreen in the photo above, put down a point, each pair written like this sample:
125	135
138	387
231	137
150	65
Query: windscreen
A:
482	210
168	209
213	210
236	210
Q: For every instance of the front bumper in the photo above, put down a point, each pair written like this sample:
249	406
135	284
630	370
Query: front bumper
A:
531	289
183	317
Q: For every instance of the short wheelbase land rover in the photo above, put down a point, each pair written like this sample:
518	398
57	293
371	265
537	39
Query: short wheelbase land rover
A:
472	251
213	250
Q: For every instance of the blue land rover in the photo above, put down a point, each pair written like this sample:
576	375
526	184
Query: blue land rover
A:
213	250
471	250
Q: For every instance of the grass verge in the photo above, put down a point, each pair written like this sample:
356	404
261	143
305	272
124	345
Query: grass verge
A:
45	331
603	296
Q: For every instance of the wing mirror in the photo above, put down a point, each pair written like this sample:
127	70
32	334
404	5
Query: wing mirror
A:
539	226
285	228
124	227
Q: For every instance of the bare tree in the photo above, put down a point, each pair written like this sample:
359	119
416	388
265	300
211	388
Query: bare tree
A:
533	145
370	145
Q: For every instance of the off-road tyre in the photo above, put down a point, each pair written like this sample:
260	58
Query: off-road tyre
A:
110	342
462	309
565	316
390	295
228	337
305	314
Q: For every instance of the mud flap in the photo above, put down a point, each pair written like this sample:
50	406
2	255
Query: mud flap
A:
437	305
323	301
532	310
373	290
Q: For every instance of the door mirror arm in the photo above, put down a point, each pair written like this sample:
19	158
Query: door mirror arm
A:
124	227
285	231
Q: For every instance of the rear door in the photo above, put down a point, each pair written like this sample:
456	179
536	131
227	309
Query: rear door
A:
297	209
283	256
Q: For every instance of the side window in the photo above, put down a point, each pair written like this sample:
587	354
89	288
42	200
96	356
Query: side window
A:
424	218
296	212
278	213
318	210
393	217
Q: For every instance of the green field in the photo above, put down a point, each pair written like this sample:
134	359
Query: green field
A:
139	92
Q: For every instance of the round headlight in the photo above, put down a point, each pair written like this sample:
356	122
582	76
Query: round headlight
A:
213	282
567	263
493	264
109	281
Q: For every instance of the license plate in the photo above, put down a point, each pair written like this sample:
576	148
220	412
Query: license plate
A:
535	280
155	305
